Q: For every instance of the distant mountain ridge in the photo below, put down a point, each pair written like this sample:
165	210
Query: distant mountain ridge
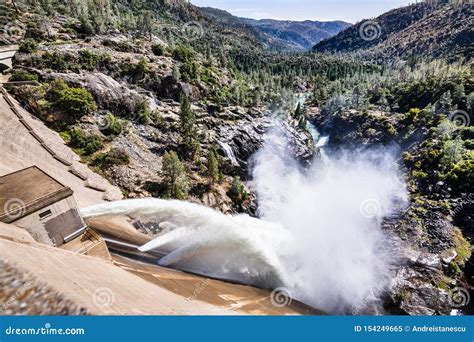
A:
282	34
433	28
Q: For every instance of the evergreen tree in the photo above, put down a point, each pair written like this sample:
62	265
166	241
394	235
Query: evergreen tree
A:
176	74
188	127
175	179
299	111
445	103
213	165
237	191
459	96
147	22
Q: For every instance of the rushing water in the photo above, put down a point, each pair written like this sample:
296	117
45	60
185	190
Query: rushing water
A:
229	152
318	234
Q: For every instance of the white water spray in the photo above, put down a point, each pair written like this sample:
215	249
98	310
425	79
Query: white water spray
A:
319	233
333	212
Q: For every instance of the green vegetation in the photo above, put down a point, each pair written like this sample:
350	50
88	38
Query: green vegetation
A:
144	113
158	49
183	53
237	191
213	165
29	45
189	131
75	101
23	75
92	60
84	144
112	125
111	158
175	180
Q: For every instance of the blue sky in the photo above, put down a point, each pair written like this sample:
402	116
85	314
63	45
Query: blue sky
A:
347	10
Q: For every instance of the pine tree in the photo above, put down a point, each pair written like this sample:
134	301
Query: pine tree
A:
176	74
175	179
237	191
147	22
298	111
188	128
445	103
213	165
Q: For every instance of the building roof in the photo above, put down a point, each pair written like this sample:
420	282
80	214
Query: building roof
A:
26	191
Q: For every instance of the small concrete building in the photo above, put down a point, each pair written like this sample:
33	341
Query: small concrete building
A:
33	200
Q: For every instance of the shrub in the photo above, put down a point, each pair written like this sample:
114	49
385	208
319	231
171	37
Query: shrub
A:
189	71
93	144
115	156
119	46
158	49
76	101
23	75
462	174
91	60
87	144
28	46
138	71
113	125
142	67
143	112
54	60
237	191
453	151
183	53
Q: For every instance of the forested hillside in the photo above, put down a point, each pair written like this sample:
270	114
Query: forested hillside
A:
438	28
283	35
